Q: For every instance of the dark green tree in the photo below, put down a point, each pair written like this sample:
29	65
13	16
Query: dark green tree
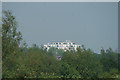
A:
10	36
109	59
10	43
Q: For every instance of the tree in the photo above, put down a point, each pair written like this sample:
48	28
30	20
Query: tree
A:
109	59
10	42
55	52
10	36
83	61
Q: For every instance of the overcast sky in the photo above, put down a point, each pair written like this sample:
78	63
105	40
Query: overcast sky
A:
94	25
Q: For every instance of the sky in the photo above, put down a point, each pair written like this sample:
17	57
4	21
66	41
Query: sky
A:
92	24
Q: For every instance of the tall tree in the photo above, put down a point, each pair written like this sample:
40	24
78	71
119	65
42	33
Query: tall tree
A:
10	43
10	36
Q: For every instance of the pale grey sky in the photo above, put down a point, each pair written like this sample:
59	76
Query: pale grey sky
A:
92	24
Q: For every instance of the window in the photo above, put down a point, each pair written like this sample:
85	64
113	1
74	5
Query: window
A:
71	46
48	46
64	43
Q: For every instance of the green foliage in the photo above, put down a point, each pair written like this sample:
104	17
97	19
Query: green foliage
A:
10	37
67	71
109	59
84	62
55	52
10	42
35	62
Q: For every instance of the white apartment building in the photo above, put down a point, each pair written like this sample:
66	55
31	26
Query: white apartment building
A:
67	45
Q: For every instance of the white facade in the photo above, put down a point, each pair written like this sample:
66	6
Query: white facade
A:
67	45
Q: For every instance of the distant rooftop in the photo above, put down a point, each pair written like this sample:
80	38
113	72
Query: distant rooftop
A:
65	45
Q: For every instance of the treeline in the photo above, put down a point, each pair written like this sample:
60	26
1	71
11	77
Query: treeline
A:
19	61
